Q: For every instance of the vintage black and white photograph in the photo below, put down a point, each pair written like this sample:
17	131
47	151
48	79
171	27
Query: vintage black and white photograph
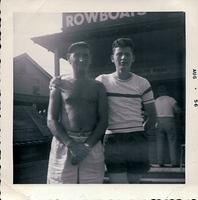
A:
99	97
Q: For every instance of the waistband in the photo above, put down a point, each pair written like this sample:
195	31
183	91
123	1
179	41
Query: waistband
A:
78	136
125	127
124	137
124	130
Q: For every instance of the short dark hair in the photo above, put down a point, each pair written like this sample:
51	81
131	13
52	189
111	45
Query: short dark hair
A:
76	45
123	42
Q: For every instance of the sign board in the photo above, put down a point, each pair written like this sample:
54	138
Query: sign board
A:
93	20
99	20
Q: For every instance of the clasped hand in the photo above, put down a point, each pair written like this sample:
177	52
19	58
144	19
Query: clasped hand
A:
78	152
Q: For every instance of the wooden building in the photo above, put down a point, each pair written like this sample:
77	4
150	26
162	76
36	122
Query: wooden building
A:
31	137
31	82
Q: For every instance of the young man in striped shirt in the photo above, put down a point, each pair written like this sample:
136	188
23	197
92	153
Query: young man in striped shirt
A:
126	146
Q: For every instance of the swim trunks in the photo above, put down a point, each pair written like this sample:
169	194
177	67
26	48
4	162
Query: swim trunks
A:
60	169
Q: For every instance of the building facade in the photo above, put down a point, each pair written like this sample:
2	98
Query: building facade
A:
31	137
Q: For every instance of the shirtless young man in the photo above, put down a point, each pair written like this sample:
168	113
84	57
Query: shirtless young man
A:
77	117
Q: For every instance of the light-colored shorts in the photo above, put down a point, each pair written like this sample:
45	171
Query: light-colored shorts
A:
60	169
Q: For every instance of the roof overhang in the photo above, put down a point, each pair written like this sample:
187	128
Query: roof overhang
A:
59	42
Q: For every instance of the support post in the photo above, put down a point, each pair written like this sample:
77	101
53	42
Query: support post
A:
56	63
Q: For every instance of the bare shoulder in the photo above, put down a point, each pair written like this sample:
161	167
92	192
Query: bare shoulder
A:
60	82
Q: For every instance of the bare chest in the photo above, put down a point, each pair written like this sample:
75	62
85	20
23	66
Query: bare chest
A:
79	94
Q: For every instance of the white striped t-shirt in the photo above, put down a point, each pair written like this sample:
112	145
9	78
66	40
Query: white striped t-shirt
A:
125	98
